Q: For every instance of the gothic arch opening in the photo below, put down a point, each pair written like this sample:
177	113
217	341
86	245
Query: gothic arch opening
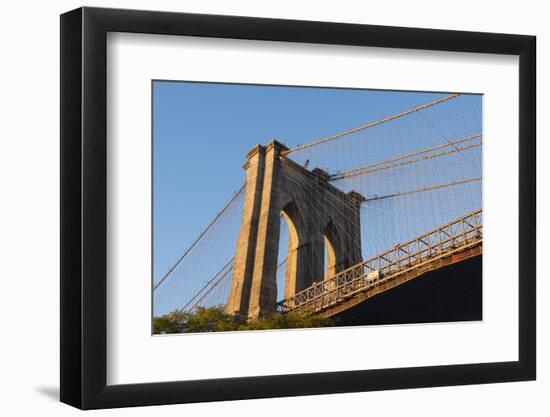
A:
289	245
333	244
330	258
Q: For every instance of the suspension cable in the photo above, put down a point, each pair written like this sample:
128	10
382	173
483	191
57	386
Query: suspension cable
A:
376	123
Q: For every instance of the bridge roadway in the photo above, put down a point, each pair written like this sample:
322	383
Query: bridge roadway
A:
451	243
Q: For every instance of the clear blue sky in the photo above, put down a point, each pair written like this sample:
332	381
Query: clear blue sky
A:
202	132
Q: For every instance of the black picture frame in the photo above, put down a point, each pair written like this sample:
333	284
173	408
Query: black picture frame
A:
84	207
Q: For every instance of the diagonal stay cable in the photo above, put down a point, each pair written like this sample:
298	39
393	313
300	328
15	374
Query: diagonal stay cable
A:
223	271
363	171
214	285
419	190
440	133
205	230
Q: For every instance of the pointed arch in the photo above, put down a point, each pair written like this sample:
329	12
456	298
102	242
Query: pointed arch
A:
292	217
334	246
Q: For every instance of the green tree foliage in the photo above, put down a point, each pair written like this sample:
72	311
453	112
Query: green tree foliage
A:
173	322
287	321
215	319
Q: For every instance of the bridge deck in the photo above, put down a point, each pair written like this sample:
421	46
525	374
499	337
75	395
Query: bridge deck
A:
453	242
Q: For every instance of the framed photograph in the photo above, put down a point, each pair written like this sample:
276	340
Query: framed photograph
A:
258	208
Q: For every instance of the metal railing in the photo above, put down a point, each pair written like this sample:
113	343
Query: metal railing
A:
459	233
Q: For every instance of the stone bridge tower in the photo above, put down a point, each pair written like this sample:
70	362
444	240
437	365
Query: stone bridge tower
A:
317	213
